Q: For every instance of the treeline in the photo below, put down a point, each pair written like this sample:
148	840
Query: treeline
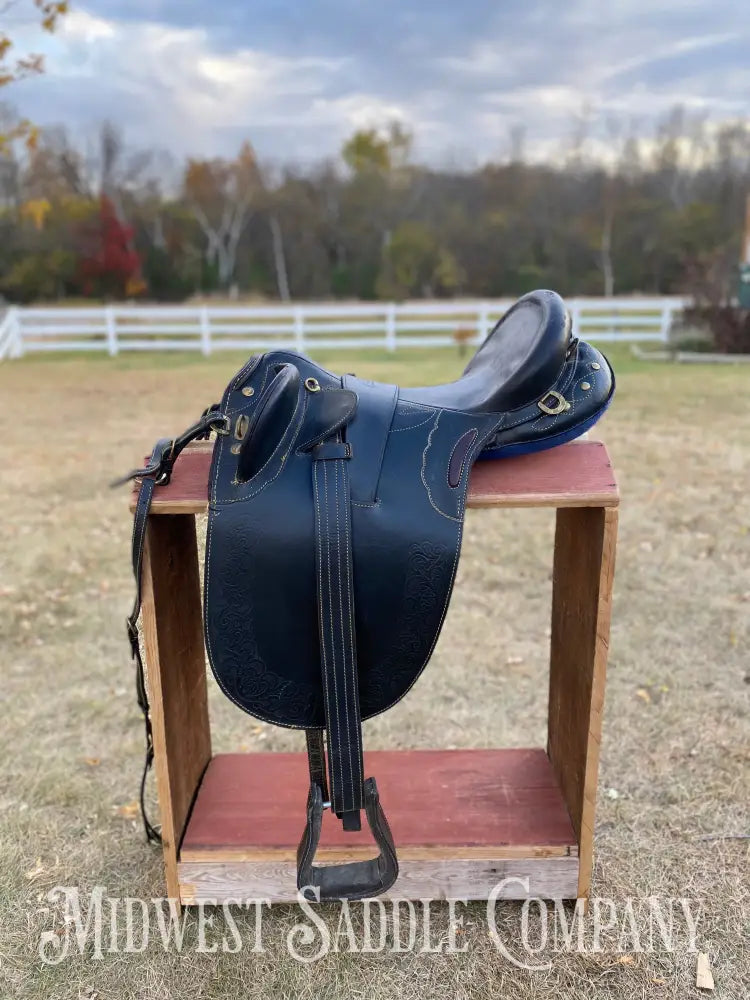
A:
649	214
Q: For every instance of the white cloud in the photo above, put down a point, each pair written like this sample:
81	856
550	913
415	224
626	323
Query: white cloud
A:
80	26
176	86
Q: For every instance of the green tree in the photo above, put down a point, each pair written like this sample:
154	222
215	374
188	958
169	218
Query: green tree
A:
414	263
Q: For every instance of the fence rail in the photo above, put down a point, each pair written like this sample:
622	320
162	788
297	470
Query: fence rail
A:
309	327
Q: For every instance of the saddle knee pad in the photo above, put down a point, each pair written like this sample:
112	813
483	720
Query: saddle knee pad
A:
261	432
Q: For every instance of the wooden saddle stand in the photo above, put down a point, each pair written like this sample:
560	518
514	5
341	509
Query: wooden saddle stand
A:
231	823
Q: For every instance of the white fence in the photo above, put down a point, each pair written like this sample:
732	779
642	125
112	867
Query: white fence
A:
309	327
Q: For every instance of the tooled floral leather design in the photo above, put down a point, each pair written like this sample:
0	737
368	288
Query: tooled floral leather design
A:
422	600
241	672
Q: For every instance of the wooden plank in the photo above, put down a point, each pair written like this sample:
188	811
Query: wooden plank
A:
251	804
579	474
339	854
454	878
584	563
173	644
574	475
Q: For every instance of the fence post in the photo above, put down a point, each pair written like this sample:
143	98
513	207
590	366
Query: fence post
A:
666	320
390	326
109	318
574	308
299	329
205	331
16	334
483	322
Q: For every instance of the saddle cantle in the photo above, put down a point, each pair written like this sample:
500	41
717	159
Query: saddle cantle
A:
336	509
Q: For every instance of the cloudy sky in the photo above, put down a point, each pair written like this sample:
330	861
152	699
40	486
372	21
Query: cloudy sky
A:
297	76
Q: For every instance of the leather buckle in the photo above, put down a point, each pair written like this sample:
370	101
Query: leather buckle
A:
330	451
553	402
133	637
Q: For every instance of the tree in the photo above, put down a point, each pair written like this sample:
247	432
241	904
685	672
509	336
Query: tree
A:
14	67
372	149
110	267
415	263
626	210
220	194
366	150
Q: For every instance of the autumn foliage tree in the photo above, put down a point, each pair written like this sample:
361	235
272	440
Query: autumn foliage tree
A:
374	223
17	67
220	194
110	267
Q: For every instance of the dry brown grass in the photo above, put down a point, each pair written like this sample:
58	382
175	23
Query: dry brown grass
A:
675	764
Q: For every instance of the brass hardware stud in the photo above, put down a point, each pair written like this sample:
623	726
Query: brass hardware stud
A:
595	365
235	449
248	391
558	404
585	385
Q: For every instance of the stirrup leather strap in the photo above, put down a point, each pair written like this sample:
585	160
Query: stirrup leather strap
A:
336	628
349	791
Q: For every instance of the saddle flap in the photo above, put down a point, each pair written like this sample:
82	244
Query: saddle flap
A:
368	435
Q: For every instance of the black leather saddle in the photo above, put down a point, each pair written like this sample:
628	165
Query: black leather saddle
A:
336	509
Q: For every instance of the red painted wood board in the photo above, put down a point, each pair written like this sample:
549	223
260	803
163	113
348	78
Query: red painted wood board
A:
573	475
433	798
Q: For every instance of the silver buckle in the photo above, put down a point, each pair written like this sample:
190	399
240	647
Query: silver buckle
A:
560	404
222	426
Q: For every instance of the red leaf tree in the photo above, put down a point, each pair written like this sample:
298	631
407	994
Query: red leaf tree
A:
109	266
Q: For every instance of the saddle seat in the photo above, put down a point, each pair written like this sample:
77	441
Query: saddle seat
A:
517	363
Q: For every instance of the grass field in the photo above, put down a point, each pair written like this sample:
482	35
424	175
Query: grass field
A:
675	769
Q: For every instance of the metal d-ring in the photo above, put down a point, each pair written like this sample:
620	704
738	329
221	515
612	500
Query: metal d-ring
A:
560	404
221	426
312	384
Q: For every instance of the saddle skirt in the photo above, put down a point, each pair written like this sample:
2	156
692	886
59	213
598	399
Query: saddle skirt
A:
395	500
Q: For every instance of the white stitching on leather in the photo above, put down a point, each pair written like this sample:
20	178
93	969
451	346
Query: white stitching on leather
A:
320	613
213	515
248	403
254	493
424	464
352	640
302	448
401	430
478	445
330	615
341	555
475	432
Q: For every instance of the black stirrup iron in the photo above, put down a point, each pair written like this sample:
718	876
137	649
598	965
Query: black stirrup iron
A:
336	509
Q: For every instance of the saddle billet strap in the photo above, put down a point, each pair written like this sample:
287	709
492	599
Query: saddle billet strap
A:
335	586
316	760
156	472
